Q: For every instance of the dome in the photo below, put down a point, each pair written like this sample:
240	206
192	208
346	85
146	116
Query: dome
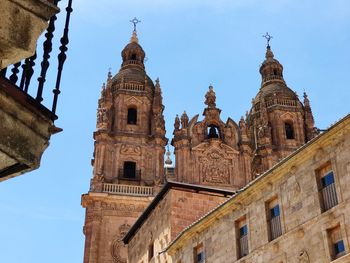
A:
133	75
132	70
276	89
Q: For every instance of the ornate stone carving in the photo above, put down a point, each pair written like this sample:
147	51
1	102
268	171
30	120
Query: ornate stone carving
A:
118	245
130	149
177	123
215	164
122	207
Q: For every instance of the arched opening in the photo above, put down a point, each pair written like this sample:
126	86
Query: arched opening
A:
213	131
129	170
288	127
132	116
133	56
275	72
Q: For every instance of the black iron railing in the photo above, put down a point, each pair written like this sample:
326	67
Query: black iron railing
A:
22	72
133	175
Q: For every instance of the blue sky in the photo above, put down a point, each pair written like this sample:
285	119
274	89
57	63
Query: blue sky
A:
189	45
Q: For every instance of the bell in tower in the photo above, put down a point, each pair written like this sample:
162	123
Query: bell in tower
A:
128	164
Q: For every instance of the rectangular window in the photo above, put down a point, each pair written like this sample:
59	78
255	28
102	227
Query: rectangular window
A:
336	243
327	190
274	219
198	254
242	237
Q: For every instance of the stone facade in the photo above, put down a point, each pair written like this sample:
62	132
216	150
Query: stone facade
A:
128	157
210	153
177	207
22	22
307	219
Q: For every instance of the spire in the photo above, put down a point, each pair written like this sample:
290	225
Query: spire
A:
177	123
271	70
134	38
269	53
109	75
184	120
168	161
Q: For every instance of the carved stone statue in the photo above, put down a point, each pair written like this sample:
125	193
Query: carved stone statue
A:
184	120
210	98
177	123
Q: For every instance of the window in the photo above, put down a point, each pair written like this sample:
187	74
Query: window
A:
129	170
198	254
132	116
242	238
274	219
327	190
336	243
133	56
289	131
150	251
213	132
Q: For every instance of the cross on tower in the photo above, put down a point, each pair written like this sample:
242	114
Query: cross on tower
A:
135	21
268	38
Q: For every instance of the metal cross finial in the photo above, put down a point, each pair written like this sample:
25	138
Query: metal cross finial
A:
268	38
135	21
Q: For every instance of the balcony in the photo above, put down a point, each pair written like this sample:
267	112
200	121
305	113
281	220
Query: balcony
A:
130	175
26	122
133	190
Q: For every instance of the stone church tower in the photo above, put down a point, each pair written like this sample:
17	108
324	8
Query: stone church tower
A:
128	157
278	122
211	152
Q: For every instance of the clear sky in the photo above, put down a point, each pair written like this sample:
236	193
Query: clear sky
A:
189	44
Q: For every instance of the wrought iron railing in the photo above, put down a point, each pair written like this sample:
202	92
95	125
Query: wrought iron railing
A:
21	73
243	246
275	227
329	196
125	174
135	190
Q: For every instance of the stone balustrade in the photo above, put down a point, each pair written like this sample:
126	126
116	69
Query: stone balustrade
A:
135	190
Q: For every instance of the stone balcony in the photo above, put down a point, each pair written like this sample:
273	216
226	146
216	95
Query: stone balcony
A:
25	131
22	22
26	125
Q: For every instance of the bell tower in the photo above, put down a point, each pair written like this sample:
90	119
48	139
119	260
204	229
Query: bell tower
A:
128	164
278	121
211	152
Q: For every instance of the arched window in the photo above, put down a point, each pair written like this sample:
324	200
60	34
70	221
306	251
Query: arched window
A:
129	170
213	132
132	116
133	56
275	72
289	131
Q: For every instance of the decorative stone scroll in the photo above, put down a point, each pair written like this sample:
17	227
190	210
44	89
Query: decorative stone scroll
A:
118	245
130	149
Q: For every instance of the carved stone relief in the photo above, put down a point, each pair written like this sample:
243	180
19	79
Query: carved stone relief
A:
128	149
118	247
215	164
